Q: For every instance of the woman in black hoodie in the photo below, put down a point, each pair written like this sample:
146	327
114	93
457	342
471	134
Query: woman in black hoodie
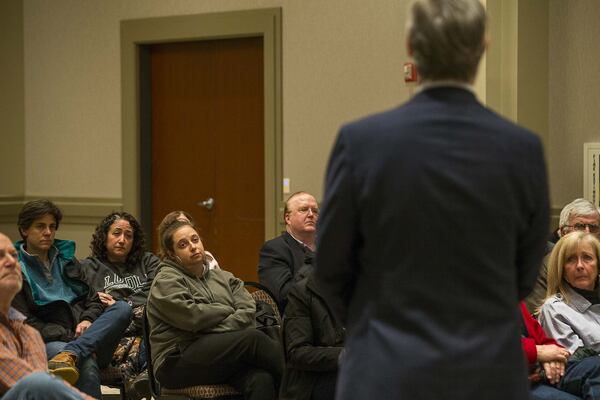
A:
119	269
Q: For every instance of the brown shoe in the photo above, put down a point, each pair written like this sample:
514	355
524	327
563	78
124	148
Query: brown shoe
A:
64	365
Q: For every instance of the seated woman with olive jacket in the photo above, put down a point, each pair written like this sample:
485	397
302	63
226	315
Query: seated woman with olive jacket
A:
202	328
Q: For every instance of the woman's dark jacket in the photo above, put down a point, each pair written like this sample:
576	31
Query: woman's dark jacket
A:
313	340
57	321
127	282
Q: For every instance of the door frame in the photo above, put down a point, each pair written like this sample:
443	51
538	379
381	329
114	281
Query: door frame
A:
137	34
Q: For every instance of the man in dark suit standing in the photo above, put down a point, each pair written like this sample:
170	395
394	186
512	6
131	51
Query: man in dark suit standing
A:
433	225
281	258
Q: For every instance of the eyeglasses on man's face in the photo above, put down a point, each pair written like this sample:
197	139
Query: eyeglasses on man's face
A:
592	228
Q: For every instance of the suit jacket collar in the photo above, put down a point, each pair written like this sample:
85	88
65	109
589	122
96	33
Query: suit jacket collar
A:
453	94
438	84
292	240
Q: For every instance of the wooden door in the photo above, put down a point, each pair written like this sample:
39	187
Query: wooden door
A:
208	143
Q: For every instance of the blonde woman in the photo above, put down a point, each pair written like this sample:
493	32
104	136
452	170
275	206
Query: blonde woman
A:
571	312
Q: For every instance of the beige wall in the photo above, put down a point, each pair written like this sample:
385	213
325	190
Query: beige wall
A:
11	99
342	59
333	72
542	71
574	92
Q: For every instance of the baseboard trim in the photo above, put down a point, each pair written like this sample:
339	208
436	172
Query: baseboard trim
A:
76	210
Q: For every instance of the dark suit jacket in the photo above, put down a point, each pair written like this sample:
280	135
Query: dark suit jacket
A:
432	228
279	261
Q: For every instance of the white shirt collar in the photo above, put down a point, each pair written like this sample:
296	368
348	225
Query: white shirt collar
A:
298	240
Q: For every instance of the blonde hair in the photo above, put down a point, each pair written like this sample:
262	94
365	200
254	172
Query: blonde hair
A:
564	248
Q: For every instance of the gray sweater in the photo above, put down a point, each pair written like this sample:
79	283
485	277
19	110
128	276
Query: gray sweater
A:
575	324
181	307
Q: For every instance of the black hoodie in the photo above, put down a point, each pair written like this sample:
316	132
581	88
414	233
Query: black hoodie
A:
122	281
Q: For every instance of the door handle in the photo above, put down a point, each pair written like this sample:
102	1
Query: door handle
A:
208	203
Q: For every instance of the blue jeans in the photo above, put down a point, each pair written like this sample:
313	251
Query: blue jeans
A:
100	339
142	364
547	392
581	380
41	385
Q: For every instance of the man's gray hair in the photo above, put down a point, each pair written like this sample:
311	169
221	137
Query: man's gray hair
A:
577	208
447	38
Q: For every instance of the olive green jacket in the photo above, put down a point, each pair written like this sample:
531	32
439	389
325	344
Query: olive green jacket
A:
181	307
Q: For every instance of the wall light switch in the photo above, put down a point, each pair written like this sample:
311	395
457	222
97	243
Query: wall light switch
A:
286	185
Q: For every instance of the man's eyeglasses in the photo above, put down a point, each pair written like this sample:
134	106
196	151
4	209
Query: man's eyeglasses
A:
304	210
592	228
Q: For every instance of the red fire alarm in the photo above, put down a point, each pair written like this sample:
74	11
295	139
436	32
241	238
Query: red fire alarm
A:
410	72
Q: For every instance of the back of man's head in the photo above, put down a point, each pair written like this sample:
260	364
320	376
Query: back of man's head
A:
446	38
36	209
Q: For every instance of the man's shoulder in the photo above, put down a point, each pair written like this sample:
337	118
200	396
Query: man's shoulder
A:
415	108
283	248
278	242
375	121
419	112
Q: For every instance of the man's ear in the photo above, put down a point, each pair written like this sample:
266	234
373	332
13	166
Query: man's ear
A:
286	218
23	233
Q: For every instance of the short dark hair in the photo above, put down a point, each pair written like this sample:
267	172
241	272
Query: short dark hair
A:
35	209
98	244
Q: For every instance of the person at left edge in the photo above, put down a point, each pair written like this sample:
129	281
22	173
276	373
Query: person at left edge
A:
23	363
79	332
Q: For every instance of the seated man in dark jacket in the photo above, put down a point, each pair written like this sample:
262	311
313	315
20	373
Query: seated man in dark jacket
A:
313	339
281	258
57	302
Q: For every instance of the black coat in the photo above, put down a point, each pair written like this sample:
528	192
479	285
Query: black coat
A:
432	228
57	321
278	263
313	340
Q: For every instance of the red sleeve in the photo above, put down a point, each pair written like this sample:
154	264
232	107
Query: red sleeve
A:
537	336
529	349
